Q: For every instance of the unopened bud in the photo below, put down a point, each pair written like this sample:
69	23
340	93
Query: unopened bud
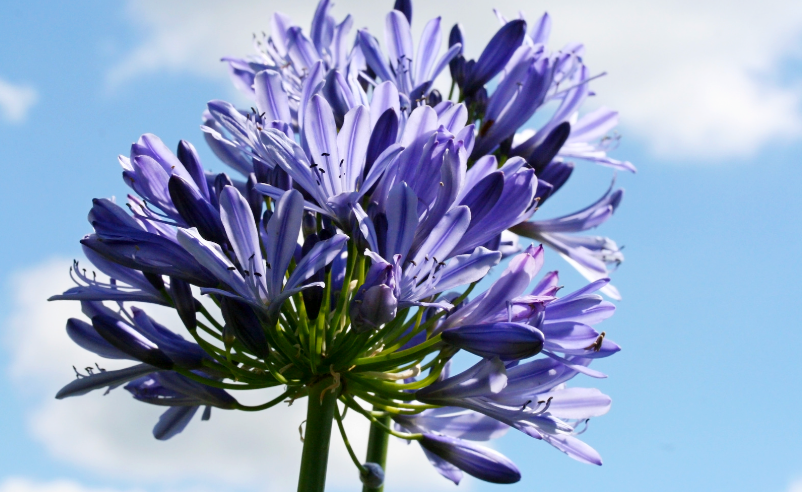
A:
372	475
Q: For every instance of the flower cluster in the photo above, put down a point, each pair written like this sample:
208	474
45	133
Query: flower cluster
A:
341	264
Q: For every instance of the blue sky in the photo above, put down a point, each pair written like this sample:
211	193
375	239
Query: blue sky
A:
706	391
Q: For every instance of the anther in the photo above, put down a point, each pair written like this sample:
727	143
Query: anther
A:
597	345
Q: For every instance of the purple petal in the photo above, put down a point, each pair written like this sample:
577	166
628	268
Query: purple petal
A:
455	422
282	236
311	86
465	269
574	448
373	55
428	47
104	379
300	49
270	96
339	47
85	336
212	258
352	145
486	377
402	220
540	30
322	32
385	96
445	235
422	121
478	461
321	136
496	54
241	230
173	422
318	257
577	403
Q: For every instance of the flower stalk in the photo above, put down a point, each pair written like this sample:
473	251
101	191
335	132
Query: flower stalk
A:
378	442
317	436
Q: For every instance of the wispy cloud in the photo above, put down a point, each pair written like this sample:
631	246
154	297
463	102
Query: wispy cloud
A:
692	79
19	484
796	486
111	435
16	100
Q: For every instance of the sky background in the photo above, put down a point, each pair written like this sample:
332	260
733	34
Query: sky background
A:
707	389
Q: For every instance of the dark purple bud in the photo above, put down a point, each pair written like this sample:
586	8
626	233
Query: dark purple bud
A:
309	224
384	135
221	181
196	210
434	98
377	306
255	199
262	171
184	301
458	67
245	325
548	149
456	36
189	158
85	336
478	461
507	341
496	54
123	337
107	216
155	280
478	102
405	7
552	178
372	476
280	179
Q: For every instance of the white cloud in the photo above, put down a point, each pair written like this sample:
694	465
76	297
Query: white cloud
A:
691	78
16	100
111	435
18	484
796	486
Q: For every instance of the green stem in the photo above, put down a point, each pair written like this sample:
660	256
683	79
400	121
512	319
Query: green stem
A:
317	435
377	448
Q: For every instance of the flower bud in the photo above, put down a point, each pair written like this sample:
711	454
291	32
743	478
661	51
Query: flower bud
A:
377	306
508	341
372	476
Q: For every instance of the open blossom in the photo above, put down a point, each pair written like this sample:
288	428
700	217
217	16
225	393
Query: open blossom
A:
341	262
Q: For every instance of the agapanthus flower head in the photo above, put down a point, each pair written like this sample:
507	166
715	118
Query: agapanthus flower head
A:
342	263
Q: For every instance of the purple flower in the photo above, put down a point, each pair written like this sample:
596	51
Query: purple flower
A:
590	255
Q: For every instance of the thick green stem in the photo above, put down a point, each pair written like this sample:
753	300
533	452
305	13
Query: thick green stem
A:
317	435
377	448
